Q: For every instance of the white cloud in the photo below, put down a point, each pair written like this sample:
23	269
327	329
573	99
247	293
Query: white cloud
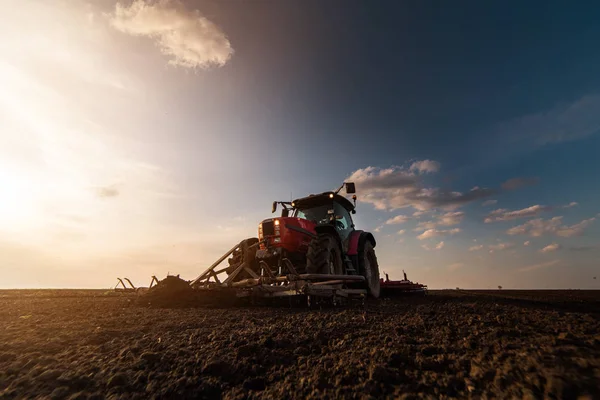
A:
500	247
425	166
551	247
436	232
539	266
503	214
489	203
397	187
418	213
527	243
571	204
398	219
378	229
187	37
538	227
401	231
438	246
574	230
424	225
451	218
516	183
476	248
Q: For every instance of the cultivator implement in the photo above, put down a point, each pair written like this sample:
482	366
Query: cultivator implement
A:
122	287
402	287
280	281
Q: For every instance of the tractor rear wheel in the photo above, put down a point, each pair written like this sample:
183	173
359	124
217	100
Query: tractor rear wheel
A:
370	269
324	256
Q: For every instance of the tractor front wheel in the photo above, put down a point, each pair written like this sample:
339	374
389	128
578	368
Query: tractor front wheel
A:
370	269
324	256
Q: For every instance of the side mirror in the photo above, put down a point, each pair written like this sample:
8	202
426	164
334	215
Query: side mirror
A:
350	187
285	212
274	208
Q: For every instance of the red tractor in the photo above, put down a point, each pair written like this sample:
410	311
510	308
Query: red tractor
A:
313	235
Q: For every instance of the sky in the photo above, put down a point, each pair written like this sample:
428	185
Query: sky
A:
141	138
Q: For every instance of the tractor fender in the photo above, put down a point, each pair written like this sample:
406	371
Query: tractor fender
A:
356	241
331	231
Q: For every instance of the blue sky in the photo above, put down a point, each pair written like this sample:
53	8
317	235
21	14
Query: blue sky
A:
165	129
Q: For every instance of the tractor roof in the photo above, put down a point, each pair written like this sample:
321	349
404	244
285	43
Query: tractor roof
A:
315	200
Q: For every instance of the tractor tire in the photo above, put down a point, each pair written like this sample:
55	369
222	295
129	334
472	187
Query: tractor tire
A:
324	256
369	268
239	256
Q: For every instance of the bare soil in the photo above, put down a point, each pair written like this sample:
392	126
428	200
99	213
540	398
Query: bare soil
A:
503	344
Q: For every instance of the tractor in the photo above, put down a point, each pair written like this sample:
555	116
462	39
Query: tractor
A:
314	235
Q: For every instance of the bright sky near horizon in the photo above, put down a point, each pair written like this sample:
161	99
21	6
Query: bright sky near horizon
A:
144	137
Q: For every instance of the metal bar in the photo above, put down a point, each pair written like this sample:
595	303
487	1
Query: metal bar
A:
235	273
328	282
316	277
121	282
153	281
127	279
252	273
220	271
214	275
219	261
265	267
290	266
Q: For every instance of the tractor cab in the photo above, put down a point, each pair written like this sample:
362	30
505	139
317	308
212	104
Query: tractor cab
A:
320	210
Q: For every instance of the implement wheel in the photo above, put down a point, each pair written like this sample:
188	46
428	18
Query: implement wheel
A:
370	269
324	256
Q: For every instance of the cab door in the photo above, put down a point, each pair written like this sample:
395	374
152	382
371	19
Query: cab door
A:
343	223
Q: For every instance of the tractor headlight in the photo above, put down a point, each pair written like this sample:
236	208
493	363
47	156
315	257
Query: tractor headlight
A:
276	222
331	195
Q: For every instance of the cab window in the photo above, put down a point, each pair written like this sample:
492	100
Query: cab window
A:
346	220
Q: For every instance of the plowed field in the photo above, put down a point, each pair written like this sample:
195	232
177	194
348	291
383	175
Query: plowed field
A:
95	344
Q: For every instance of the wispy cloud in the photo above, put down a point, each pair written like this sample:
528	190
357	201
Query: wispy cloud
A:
502	214
476	248
436	232
527	243
401	231
500	247
539	266
398	219
451	218
438	246
562	123
190	39
425	166
538	227
550	248
489	203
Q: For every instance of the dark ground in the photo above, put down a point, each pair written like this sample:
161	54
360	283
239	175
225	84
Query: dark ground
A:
503	344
